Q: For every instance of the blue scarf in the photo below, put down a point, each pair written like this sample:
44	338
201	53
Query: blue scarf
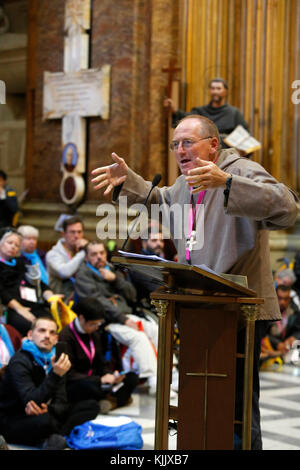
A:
11	262
35	258
95	269
7	341
42	358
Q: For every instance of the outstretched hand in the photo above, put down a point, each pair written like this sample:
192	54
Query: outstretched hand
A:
206	175
110	176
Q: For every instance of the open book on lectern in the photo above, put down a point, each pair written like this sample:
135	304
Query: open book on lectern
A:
186	276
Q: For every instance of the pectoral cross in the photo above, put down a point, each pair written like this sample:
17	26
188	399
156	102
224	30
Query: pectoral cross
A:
191	241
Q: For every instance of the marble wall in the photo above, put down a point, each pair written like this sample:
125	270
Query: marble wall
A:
13	59
137	38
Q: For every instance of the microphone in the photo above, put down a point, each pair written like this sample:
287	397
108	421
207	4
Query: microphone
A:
155	182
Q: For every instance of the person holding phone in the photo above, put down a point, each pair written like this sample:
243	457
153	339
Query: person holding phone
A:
89	377
34	409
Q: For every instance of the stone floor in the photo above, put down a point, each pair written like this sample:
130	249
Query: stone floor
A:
280	408
280	411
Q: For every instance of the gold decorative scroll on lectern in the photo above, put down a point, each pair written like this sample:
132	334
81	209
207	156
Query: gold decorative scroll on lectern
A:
209	309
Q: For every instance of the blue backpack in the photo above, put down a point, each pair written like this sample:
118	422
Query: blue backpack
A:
90	435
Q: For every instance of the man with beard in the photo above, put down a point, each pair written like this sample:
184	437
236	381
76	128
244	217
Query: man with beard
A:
98	279
225	116
33	408
64	258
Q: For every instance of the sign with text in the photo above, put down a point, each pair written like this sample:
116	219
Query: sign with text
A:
84	93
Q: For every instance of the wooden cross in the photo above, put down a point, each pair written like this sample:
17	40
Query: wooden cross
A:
206	376
73	95
171	70
172	169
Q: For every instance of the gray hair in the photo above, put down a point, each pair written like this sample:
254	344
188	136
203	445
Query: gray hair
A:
208	127
286	273
8	233
28	231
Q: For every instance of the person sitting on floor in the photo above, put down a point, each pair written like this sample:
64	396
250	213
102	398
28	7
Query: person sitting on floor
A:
10	342
22	292
8	202
99	279
283	333
152	243
64	258
88	376
287	277
33	408
30	251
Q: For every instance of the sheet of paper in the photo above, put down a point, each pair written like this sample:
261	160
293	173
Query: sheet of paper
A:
139	256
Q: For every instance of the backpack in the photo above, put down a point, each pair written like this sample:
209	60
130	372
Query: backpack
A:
119	433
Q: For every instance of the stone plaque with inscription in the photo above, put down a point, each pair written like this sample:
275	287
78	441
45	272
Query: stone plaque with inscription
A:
84	93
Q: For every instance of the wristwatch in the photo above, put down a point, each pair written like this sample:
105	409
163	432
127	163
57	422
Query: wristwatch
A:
227	190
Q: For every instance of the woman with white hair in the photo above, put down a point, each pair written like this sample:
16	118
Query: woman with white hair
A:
30	251
23	294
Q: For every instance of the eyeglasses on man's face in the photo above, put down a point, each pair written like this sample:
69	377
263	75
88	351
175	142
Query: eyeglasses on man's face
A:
185	143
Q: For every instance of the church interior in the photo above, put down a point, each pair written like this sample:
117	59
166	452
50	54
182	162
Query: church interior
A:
85	78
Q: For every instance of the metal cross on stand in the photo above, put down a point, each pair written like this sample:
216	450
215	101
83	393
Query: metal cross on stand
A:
73	95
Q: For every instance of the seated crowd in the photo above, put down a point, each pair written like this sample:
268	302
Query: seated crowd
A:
282	341
52	380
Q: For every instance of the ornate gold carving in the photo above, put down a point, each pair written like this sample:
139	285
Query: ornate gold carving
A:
161	306
250	312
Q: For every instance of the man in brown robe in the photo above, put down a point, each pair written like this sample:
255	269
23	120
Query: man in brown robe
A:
241	202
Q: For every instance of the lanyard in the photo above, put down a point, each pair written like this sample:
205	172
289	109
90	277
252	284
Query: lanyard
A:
90	354
192	225
191	240
13	262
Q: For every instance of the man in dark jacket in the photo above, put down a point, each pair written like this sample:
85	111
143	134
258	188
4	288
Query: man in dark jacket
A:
283	333
33	406
98	279
89	377
225	116
8	202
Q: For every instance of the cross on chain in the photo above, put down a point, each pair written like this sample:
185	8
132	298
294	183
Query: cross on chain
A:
191	241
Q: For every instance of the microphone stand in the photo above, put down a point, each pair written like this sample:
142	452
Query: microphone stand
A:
155	182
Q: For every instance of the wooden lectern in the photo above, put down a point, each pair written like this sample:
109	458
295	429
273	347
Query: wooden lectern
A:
209	310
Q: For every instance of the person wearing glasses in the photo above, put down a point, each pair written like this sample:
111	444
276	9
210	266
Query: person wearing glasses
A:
241	202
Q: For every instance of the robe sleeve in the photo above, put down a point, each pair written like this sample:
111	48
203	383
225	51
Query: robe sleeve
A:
135	188
255	194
